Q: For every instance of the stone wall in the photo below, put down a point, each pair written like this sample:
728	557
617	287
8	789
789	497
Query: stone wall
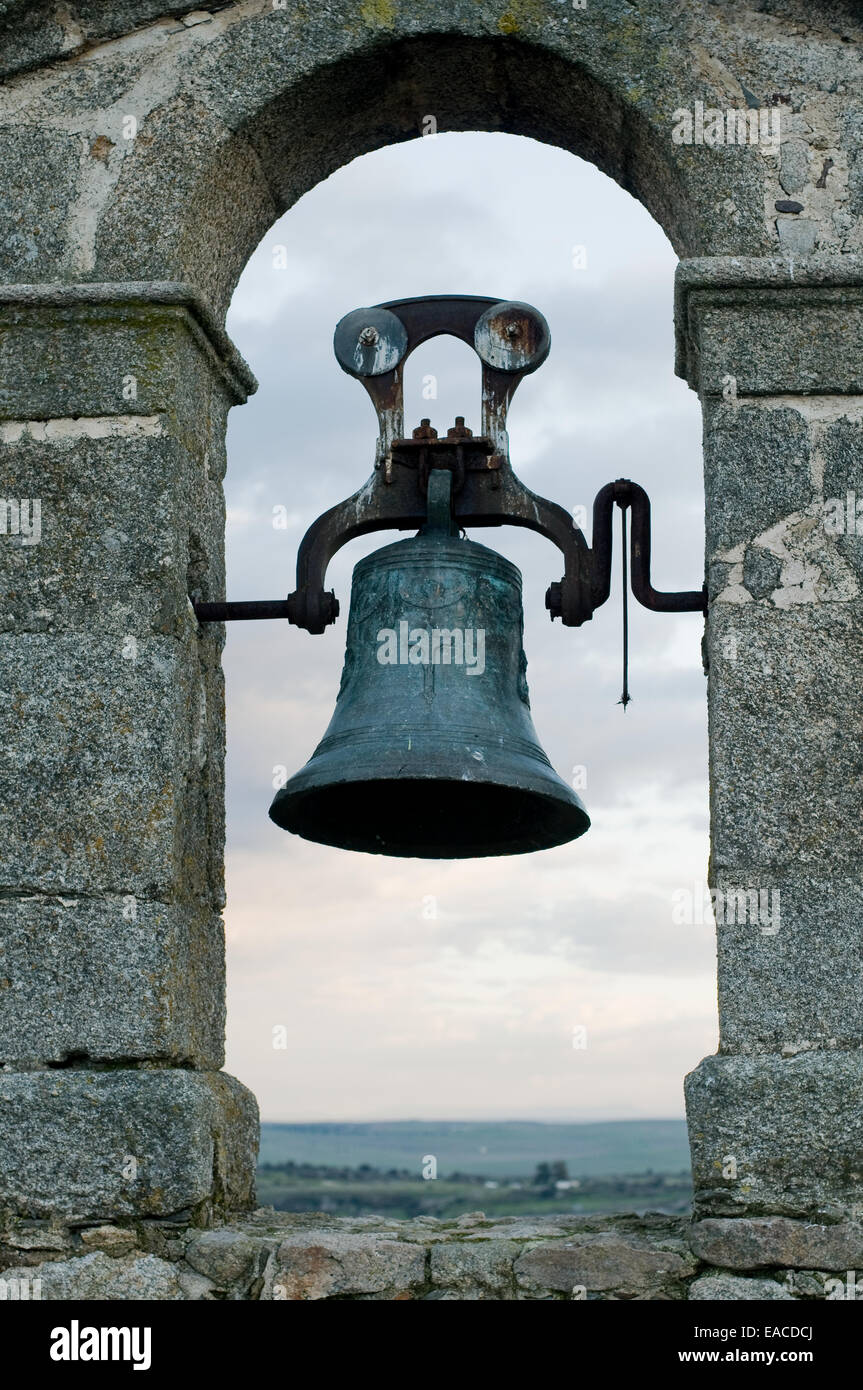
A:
276	1256
146	148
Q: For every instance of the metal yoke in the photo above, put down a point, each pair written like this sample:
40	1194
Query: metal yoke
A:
512	340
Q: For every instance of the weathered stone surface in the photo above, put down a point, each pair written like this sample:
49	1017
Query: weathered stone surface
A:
788	1132
106	556
90	1145
807	818
36	36
33	1236
97	1277
112	1240
805	1283
156	231
110	978
227	1258
744	441
126	350
762	572
792	528
102	802
265	80
626	1264
331	1264
111	946
196	1287
472	1294
245	110
775	352
40	182
802	937
784	731
794	166
276	1256
726	1288
798	236
776	326
780	679
747	1243
475	1269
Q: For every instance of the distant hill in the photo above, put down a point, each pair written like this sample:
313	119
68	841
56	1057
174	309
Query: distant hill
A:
494	1149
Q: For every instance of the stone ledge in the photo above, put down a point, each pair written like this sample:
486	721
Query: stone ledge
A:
767	301
19	302
777	1136
82	1147
282	1256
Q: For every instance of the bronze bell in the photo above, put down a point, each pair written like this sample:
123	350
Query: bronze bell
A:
431	752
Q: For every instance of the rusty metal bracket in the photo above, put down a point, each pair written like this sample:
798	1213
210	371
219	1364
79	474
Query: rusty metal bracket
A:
625	494
511	340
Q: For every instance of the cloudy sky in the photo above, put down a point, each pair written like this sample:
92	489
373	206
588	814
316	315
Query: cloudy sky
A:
427	989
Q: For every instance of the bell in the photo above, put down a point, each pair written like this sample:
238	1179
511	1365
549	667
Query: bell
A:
431	752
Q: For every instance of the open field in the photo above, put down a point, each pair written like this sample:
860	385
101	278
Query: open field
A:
493	1149
503	1169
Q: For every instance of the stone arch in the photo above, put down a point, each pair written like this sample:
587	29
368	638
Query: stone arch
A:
117	260
254	121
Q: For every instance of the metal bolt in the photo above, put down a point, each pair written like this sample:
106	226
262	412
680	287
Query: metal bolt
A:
513	330
459	429
554	600
369	336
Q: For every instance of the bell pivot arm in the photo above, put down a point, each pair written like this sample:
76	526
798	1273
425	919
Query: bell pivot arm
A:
480	499
403	505
371	508
485	499
511	340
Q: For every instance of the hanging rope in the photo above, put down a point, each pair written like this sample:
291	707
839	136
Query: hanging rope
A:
625	697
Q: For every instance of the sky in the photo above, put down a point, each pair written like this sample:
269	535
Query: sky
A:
553	985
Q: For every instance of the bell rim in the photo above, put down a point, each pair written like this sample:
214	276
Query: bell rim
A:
290	806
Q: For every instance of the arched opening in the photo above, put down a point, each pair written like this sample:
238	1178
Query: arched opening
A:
271	124
439	990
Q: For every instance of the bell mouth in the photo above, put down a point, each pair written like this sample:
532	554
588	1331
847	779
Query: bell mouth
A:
428	818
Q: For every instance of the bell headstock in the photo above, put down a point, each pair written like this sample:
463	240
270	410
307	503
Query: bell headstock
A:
510	339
